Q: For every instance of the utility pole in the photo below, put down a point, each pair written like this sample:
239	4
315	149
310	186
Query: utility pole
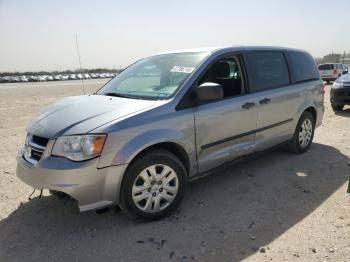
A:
81	70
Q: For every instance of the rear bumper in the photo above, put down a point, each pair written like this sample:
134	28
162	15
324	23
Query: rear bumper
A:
320	112
329	78
340	96
92	187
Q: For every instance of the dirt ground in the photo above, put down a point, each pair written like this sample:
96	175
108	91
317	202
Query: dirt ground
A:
277	206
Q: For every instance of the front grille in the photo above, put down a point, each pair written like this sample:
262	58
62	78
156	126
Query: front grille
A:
35	148
36	153
346	84
41	141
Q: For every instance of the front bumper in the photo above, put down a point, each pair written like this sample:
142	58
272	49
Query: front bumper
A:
92	187
340	96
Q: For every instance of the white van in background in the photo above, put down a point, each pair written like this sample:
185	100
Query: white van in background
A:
330	72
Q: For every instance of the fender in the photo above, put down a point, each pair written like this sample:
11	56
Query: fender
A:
128	151
312	97
145	140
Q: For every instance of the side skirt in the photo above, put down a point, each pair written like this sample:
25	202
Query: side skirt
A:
238	160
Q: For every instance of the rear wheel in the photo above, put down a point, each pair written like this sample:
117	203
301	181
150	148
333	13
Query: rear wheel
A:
337	107
303	134
153	186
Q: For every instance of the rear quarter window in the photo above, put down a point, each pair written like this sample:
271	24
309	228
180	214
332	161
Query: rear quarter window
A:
268	70
304	66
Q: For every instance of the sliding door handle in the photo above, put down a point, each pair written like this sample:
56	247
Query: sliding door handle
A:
248	105
264	101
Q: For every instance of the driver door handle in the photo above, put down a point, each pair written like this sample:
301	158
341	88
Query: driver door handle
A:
248	105
265	100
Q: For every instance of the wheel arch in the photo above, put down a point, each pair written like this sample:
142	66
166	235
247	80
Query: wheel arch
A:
171	147
310	107
313	112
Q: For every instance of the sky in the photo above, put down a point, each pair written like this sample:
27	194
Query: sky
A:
40	34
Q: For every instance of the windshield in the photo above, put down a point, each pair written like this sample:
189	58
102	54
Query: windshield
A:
156	77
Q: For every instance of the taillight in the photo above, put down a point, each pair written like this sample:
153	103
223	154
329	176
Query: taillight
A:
334	72
323	88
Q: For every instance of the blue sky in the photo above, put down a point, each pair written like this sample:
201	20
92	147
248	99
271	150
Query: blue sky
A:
40	34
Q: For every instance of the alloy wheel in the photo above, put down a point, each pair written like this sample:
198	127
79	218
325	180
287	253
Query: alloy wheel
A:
305	133
155	188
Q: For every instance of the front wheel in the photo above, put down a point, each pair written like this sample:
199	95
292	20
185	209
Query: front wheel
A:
153	185
303	134
337	107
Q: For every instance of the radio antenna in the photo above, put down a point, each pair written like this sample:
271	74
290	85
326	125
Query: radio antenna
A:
81	70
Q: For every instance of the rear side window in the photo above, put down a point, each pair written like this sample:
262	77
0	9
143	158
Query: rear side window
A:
268	70
326	67
304	66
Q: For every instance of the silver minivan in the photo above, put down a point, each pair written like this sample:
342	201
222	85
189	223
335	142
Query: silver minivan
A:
330	72
169	119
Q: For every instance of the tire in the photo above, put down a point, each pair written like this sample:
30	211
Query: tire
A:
58	194
297	145
337	107
158	197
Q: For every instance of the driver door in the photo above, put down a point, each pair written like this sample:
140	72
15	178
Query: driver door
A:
225	128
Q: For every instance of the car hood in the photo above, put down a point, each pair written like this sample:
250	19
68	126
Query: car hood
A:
344	79
82	114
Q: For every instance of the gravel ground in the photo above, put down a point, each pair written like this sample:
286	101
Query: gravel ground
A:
276	206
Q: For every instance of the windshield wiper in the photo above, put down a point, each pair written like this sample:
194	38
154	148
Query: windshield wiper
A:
119	95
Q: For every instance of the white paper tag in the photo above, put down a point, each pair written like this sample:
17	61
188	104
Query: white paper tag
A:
182	69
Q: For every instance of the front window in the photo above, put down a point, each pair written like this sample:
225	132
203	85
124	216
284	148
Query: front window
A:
156	77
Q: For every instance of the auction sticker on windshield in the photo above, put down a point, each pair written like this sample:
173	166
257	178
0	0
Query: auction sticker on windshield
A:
182	69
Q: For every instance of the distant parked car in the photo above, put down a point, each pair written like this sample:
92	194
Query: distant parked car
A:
32	78
57	77
87	76
4	79
23	79
72	77
340	92
14	79
93	76
330	72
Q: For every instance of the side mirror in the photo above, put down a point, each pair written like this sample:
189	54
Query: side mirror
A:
209	91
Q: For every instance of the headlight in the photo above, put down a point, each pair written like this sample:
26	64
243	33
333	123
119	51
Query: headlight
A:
28	139
337	85
79	148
